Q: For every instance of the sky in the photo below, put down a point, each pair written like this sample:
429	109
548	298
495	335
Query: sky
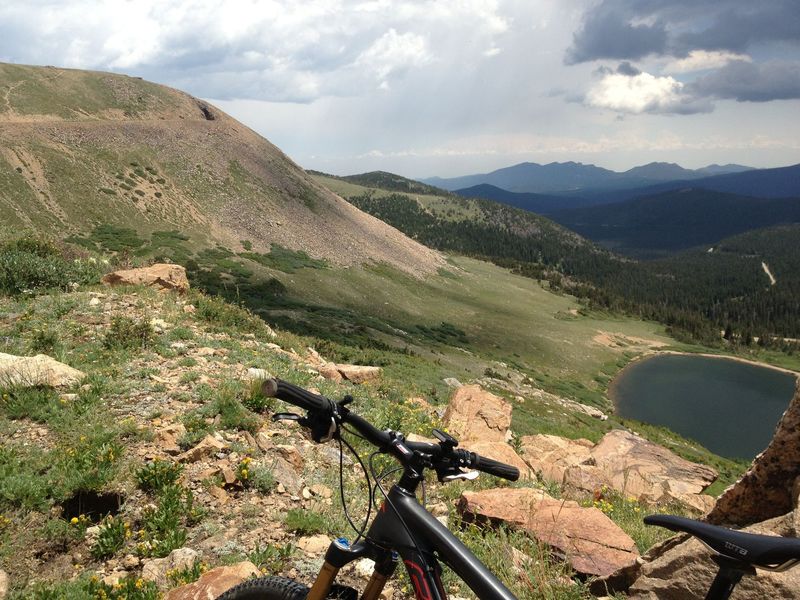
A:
452	87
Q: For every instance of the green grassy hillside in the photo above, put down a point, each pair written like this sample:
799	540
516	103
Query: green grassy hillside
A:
696	294
81	149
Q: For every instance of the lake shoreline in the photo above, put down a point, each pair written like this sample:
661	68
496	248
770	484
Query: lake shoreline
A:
740	359
687	395
611	395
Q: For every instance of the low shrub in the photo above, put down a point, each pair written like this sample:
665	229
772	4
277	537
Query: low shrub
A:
111	539
127	333
31	265
157	475
305	522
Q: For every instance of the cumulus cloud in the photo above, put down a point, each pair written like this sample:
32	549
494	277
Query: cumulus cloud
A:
394	52
642	93
709	50
265	49
628	90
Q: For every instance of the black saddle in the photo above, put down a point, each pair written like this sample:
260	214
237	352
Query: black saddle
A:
763	551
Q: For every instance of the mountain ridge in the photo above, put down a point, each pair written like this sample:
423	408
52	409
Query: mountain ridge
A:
676	220
574	177
84	148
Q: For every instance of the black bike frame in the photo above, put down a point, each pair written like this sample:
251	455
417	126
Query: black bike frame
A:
403	527
406	527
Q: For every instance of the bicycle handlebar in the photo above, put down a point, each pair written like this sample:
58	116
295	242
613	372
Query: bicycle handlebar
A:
495	467
384	440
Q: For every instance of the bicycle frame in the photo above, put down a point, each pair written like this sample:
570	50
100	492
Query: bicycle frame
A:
388	537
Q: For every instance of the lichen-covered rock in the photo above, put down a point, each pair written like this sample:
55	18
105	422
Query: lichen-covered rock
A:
480	421
163	276
359	373
638	467
474	414
624	462
585	537
551	455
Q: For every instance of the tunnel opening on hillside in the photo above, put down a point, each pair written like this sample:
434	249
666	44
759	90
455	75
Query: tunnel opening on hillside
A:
93	505
208	115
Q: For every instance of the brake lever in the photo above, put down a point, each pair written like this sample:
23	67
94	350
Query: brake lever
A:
286	417
464	475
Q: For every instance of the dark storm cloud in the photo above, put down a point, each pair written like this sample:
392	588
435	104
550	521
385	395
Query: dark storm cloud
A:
607	33
749	82
626	68
738	28
633	29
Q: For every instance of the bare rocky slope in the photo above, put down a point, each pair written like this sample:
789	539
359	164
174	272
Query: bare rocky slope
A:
80	148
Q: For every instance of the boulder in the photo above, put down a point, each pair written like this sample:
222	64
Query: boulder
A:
585	537
637	467
359	373
330	372
767	488
37	370
475	414
162	276
621	461
215	582
502	452
480	421
551	455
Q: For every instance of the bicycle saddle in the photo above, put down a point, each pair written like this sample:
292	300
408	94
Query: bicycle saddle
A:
764	551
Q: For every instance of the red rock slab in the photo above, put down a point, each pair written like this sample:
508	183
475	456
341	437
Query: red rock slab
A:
585	537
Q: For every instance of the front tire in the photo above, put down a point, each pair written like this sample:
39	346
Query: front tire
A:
280	588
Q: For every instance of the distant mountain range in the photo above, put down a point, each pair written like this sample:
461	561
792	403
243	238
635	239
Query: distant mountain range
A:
692	289
664	223
543	204
572	177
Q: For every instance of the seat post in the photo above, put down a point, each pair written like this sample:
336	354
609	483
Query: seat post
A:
729	574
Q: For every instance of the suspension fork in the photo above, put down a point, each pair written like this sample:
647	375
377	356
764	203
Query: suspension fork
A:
339	554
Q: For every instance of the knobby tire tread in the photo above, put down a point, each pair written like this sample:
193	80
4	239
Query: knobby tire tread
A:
266	588
280	588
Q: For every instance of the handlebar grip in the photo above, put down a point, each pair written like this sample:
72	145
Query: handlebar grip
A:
288	392
495	467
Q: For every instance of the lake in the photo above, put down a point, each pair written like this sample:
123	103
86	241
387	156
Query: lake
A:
728	406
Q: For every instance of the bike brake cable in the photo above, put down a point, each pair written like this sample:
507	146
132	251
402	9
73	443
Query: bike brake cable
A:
359	532
391	505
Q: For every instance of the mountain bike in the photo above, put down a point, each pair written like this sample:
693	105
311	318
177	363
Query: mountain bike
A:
402	530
